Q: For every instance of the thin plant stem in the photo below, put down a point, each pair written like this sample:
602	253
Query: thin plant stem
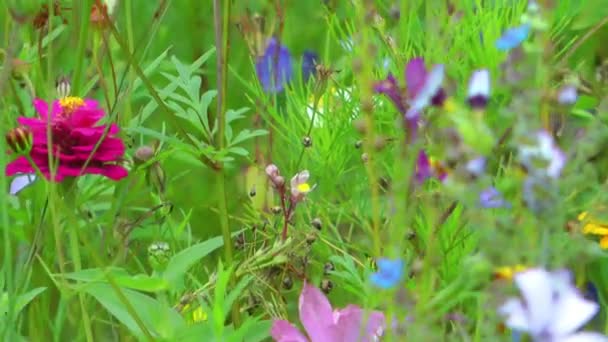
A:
221	20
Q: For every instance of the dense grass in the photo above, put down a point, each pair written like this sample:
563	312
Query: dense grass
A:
189	245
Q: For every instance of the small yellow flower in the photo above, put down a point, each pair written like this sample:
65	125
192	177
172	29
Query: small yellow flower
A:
70	103
508	272
449	105
196	315
592	226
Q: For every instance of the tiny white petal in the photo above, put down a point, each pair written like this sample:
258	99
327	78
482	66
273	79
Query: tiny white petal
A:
20	182
567	95
479	84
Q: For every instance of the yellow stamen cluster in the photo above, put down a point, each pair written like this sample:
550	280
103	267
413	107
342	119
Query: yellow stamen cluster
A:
304	188
70	103
592	226
508	272
449	105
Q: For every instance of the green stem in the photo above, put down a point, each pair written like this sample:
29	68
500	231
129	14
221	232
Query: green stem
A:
83	15
221	21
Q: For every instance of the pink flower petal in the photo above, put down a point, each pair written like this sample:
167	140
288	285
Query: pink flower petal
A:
316	315
283	331
350	321
19	165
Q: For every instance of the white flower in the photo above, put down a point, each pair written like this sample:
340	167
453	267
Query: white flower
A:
545	155
551	308
20	182
479	88
567	95
299	186
431	87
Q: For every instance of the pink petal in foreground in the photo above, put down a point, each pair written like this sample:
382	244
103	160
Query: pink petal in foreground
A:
350	324
316	315
283	331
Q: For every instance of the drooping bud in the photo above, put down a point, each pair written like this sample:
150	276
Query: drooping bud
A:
20	139
63	87
272	171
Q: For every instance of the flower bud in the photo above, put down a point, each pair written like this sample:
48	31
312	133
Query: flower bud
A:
158	254
307	141
143	154
63	87
326	286
316	222
279	181
20	139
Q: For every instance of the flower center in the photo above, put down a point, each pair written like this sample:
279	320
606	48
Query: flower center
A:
70	103
303	187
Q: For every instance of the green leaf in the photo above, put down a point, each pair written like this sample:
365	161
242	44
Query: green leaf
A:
160	319
142	282
179	264
21	302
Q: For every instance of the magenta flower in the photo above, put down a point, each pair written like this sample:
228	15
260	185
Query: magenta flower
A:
75	134
323	324
427	168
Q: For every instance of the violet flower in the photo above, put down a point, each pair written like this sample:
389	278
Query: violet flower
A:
309	64
323	324
274	67
492	198
551	308
567	95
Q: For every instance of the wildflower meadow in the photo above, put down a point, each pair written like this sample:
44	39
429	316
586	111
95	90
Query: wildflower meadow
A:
304	171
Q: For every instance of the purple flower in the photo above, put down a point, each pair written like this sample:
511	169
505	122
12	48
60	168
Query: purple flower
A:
422	89
309	64
274	67
513	37
323	324
426	168
390	273
479	89
477	166
492	198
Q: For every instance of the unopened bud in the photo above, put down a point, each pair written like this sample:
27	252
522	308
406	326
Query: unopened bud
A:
272	171
326	286
287	283
358	144
328	268
279	181
311	238
158	254
63	87
143	154
316	222
307	141
20	139
276	210
364	157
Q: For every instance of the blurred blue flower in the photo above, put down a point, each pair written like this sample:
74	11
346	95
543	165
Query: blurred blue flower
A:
492	198
513	37
390	272
309	62
567	95
274	67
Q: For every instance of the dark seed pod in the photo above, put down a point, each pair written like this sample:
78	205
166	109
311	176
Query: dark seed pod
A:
326	286
316	222
307	141
287	283
276	210
252	192
328	268
311	238
358	144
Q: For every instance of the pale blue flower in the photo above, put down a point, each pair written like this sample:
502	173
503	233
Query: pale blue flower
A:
390	273
513	37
